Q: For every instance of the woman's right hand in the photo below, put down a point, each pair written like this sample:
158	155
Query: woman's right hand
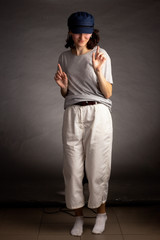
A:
61	78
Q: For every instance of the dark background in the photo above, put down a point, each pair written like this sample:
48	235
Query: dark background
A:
33	34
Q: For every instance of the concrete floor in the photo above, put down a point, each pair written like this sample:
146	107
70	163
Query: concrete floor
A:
124	223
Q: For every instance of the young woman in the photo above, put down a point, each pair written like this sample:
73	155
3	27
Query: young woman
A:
85	79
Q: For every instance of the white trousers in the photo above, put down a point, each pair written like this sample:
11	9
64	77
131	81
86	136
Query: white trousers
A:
87	143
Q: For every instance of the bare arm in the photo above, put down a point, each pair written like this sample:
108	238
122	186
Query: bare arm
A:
64	92
105	87
98	60
62	80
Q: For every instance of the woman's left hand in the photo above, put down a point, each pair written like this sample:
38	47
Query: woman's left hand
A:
97	60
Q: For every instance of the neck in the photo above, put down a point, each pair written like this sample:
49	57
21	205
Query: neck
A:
80	50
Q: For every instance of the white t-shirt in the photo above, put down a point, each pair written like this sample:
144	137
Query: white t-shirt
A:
83	83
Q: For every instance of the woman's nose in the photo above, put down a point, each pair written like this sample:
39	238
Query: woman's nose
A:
81	36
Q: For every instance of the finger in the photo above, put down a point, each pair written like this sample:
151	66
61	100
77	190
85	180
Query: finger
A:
97	51
56	75
100	55
57	79
65	75
59	74
60	83
103	57
60	69
93	56
103	60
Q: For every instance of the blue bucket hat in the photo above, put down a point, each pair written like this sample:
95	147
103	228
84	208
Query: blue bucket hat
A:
81	22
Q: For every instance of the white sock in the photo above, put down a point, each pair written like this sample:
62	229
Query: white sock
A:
99	226
77	229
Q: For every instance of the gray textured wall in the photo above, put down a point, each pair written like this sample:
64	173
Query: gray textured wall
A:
33	35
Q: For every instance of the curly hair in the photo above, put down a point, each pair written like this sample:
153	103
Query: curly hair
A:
93	41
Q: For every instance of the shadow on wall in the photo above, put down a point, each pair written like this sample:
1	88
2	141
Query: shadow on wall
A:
31	107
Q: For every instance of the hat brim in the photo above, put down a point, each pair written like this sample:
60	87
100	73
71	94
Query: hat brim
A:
82	29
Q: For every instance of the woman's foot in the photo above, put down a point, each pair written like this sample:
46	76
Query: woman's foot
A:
100	223
77	229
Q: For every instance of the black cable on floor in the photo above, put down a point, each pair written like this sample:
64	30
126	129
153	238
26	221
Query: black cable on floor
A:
51	212
67	212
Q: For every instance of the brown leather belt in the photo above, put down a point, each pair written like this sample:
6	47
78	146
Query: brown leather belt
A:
86	103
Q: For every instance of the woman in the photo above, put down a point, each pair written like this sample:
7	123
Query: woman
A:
85	79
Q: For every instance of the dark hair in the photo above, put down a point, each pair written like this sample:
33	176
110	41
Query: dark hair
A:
93	41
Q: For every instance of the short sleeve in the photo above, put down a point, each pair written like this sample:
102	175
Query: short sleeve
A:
61	61
107	68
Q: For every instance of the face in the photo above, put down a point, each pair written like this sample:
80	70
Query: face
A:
81	39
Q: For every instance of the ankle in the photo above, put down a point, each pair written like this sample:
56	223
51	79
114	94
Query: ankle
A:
101	209
79	212
101	212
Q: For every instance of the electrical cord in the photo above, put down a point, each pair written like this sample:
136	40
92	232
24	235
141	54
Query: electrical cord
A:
69	212
51	212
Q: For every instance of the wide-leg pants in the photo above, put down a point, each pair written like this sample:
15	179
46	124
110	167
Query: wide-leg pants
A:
87	143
